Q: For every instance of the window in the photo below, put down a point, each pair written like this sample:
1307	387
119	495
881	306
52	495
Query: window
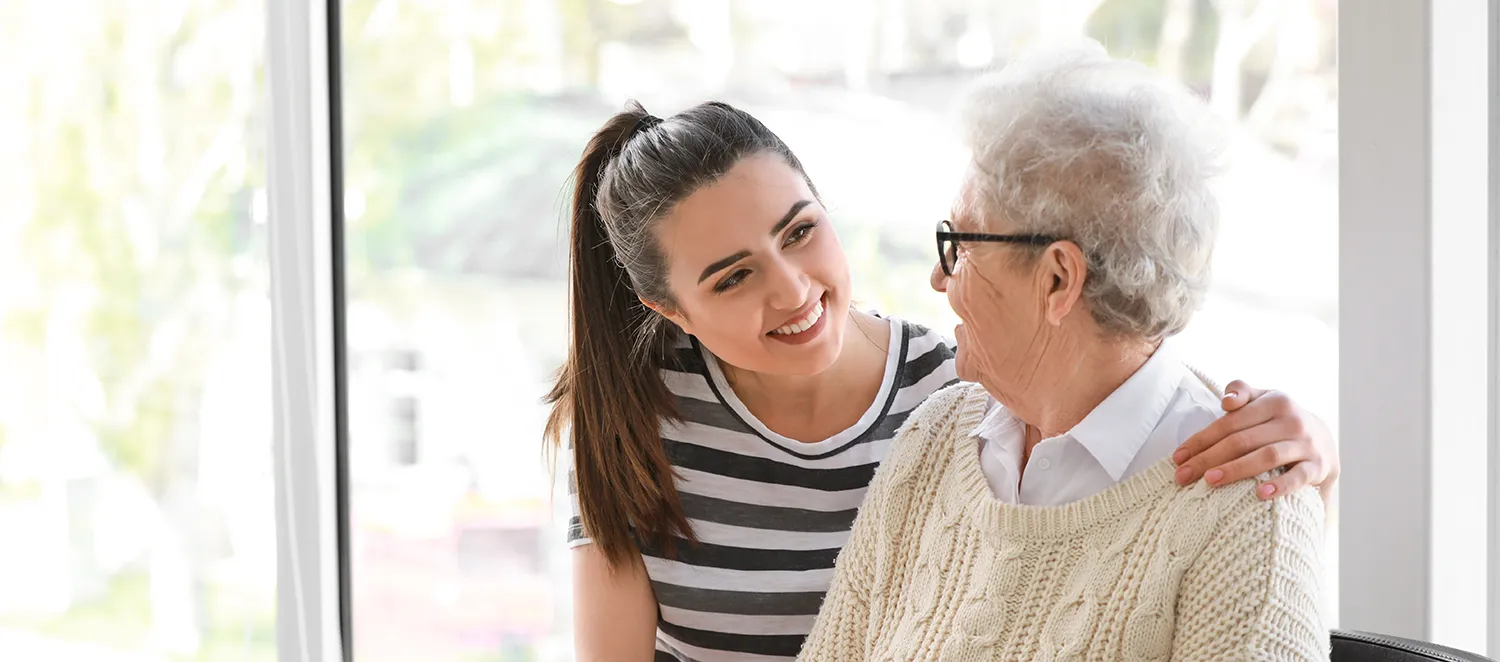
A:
135	411
463	121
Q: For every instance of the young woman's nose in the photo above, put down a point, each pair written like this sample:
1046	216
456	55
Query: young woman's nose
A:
788	286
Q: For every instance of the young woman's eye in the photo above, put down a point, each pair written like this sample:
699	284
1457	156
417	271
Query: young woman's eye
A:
731	281
800	234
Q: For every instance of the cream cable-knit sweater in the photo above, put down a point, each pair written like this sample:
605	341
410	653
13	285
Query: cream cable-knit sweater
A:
937	569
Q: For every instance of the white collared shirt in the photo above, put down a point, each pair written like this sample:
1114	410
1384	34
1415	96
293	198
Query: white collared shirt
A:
1139	424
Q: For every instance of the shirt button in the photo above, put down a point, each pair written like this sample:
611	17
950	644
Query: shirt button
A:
1044	464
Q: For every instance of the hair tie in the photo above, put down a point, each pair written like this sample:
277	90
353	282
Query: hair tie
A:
645	122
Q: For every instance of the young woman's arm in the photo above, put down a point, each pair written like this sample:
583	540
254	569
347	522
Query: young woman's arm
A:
614	611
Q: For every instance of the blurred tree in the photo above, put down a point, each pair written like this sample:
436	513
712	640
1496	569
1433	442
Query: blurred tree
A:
1175	36
1065	18
1298	78
138	129
143	163
1242	24
473	187
1176	28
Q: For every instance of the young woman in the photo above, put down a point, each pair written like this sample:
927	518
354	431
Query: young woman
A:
725	407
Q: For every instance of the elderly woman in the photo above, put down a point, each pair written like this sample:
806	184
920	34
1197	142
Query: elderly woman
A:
1033	514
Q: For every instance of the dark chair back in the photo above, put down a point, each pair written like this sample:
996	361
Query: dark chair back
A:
1352	646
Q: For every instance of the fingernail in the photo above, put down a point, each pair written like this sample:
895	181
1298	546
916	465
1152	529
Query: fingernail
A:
1184	475
1180	456
1213	477
1265	491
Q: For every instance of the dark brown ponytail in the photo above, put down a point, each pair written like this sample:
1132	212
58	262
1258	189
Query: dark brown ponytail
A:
609	399
609	394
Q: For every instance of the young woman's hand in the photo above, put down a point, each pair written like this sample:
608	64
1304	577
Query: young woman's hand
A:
1261	431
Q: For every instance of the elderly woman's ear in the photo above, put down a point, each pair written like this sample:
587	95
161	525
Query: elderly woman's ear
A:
1065	271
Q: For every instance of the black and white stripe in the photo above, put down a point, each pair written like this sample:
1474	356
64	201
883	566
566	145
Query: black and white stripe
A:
770	515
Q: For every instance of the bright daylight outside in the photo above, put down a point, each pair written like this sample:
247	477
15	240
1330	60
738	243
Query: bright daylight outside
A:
135	412
463	120
135	402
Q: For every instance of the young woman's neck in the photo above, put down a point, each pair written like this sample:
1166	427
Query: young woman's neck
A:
865	348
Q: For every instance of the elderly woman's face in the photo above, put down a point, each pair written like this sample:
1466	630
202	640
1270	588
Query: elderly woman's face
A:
1000	302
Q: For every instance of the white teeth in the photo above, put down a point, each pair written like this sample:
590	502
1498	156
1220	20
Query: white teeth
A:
804	324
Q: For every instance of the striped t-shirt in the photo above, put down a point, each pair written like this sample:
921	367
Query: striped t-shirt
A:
770	513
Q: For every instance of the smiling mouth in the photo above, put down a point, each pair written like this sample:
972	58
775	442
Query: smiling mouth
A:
803	323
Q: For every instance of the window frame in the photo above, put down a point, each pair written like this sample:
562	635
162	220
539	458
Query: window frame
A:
313	600
1417	213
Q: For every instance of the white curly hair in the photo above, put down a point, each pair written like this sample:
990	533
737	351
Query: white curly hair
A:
1069	142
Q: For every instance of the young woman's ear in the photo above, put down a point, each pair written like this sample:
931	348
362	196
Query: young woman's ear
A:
672	316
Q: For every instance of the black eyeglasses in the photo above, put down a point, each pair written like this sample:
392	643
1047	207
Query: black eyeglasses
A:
947	242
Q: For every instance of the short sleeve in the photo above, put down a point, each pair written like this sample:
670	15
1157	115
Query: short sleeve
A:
576	535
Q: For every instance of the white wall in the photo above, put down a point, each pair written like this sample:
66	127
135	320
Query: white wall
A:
1415	297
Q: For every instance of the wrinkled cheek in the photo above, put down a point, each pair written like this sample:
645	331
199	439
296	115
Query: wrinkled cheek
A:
995	350
966	335
960	300
972	361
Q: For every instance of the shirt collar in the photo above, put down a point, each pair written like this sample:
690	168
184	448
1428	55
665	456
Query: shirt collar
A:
998	425
1115	431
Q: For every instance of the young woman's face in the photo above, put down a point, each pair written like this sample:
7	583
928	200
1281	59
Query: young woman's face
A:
758	273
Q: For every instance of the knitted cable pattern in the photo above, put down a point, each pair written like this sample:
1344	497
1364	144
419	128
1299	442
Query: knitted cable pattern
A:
936	569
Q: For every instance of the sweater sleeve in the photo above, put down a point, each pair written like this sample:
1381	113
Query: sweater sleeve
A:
1255	592
842	630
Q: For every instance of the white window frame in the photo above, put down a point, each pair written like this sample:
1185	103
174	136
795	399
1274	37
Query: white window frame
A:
1417	330
1493	92
300	181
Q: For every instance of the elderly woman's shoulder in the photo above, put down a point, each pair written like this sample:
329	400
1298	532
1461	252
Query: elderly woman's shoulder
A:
949	401
1238	510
